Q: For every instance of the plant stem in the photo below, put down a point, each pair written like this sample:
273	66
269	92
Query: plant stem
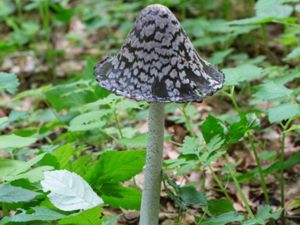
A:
219	182
265	38
153	168
238	187
262	178
282	197
117	123
187	121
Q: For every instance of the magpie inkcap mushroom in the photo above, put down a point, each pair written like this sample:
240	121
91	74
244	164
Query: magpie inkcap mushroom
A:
158	63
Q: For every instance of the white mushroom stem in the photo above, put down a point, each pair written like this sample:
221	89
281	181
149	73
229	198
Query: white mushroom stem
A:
153	169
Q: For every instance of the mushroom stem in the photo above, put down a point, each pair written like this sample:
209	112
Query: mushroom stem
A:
152	172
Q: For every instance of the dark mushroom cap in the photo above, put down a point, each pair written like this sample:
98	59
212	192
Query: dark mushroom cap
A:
158	63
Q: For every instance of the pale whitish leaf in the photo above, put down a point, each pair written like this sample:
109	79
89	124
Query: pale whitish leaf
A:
86	217
8	82
233	76
88	121
40	213
294	54
68	191
283	112
14	141
11	194
271	90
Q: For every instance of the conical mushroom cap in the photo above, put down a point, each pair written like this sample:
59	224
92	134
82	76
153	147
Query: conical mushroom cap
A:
158	63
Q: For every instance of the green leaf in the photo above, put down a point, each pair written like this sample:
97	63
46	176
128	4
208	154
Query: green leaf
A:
68	191
212	127
34	175
14	141
39	213
139	141
224	219
88	72
6	7
294	54
87	217
191	196
118	196
238	129
11	194
190	145
270	91
9	169
9	82
89	121
71	95
63	155
246	72
219	206
278	10
116	166
218	57
263	215
283	112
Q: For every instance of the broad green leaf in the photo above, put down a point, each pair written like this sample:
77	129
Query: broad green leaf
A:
4	121
219	206
246	72
283	112
34	175
9	169
7	7
116	166
272	8
43	115
68	191
71	95
39	213
238	129
64	154
118	196
212	127
191	196
224	219
294	54
139	141
12	194
81	164
88	72
87	217
14	141
8	82
263	215
218	57
89	121
270	91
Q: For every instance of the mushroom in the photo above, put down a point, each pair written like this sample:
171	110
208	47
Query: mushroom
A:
157	64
